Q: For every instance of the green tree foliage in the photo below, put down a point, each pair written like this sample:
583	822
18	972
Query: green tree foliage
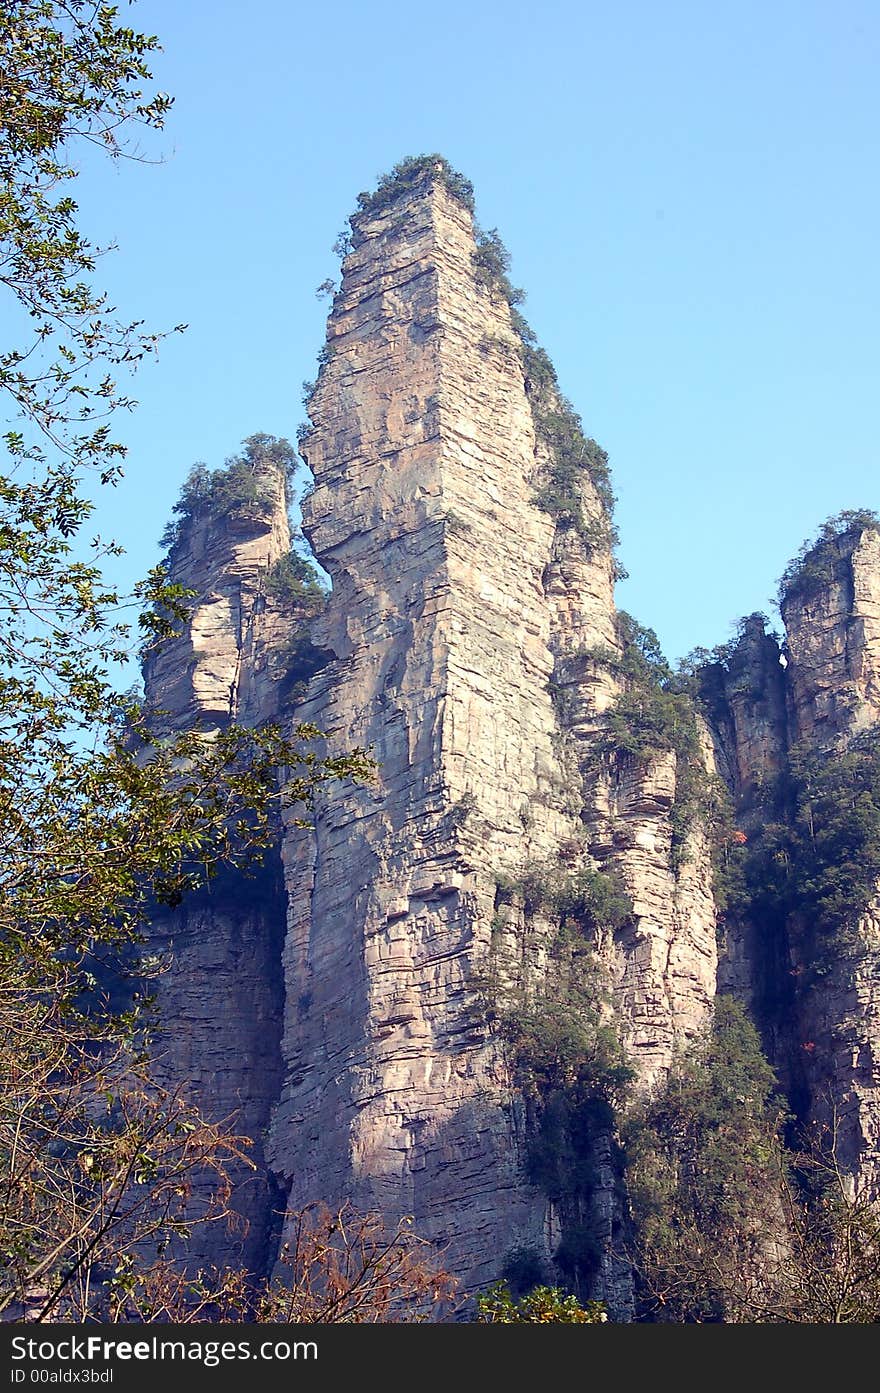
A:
573	455
70	76
650	717
655	714
96	837
703	1158
245	482
729	1225
542	1306
491	262
408	174
292	578
98	820
563	1046
816	856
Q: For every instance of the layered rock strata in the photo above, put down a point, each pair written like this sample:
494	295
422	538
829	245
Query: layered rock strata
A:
221	998
458	611
815	694
470	641
833	680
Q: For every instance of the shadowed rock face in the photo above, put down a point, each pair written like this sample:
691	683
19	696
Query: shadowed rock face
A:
823	1037
336	1006
833	637
221	1002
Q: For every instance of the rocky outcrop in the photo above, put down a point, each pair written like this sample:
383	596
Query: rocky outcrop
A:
833	644
459	613
218	669
221	998
813	696
470	641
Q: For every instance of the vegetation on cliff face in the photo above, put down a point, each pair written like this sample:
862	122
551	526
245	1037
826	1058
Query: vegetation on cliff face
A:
729	1225
810	862
813	568
702	1157
655	714
813	862
245	482
99	822
408	174
573	455
542	1305
246	485
293	577
563	1044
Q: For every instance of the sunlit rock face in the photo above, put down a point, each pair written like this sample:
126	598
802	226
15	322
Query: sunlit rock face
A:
337	1007
221	998
459	609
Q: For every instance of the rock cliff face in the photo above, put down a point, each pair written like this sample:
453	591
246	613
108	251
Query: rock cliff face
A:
815	696
471	641
221	1001
458	611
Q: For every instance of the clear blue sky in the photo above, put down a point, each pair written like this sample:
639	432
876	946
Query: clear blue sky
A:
689	193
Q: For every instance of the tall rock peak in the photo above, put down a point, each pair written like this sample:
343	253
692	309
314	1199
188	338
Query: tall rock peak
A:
539	849
464	520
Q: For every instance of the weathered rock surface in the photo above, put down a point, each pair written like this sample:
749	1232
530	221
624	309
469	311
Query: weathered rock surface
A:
216	671
833	642
824	1036
338	1007
221	1000
456	604
833	637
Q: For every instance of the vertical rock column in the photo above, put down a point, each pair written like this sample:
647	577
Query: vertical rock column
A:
423	451
205	677
833	637
457	603
220	1000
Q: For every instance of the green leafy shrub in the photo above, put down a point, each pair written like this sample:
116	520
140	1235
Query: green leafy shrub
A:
559	1030
241	484
569	1064
816	856
293	577
408	174
703	1158
542	1306
491	262
574	455
586	897
654	714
